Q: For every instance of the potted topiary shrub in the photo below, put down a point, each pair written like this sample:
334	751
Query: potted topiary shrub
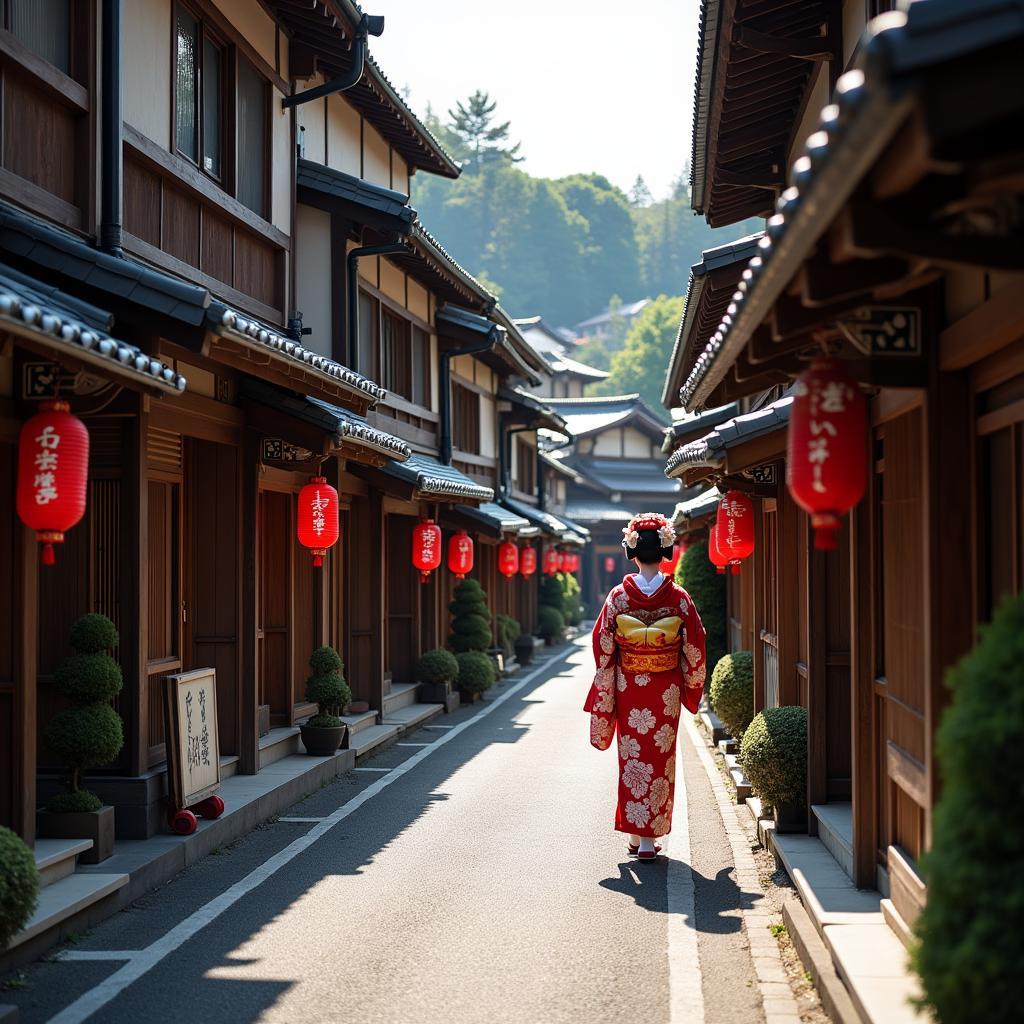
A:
968	969
522	644
696	573
774	758
732	691
476	674
19	885
436	671
508	632
86	735
550	624
322	734
471	618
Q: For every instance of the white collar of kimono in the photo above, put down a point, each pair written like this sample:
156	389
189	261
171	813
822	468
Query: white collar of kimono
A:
649	586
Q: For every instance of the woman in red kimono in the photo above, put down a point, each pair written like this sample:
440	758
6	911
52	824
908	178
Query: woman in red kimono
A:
649	648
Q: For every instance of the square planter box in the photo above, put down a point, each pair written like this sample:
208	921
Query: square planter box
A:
790	818
439	693
95	825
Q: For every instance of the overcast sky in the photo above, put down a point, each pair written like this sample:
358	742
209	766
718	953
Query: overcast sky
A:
589	85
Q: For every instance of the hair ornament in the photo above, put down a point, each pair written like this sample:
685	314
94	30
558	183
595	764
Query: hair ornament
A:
648	521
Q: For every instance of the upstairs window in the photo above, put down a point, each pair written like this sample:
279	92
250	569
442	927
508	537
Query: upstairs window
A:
44	26
465	419
215	88
395	355
526	467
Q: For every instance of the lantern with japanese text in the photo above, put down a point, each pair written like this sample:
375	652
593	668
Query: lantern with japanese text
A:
718	560
609	563
551	561
574	562
53	470
528	560
318	517
826	465
508	559
563	561
460	554
735	524
426	548
668	565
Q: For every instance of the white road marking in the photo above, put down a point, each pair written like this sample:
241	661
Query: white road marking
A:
371	769
98	954
145	960
300	819
430	744
686	997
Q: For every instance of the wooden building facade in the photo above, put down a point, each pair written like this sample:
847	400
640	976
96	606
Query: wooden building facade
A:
891	248
224	278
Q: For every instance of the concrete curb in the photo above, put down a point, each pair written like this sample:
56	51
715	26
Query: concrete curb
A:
818	963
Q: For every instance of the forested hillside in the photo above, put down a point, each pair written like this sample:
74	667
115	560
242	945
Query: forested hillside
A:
558	247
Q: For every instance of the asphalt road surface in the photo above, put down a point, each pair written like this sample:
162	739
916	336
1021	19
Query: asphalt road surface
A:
480	881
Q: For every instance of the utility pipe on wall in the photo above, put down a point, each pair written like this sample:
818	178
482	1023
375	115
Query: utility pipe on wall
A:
385	249
111	119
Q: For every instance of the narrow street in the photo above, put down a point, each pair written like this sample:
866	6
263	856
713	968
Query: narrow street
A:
469	873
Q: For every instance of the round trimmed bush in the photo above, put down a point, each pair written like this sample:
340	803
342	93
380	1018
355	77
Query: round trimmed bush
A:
732	691
19	885
572	609
93	633
471	618
476	671
87	678
697	575
969	971
550	623
509	630
327	687
74	802
437	666
774	755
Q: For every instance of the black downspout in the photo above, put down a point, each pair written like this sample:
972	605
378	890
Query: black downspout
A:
111	119
369	25
542	497
353	294
445	393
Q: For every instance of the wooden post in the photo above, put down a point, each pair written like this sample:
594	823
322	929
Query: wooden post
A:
758	559
134	571
25	586
816	614
248	739
862	675
786	596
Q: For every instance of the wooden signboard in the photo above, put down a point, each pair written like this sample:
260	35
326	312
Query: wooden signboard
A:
193	753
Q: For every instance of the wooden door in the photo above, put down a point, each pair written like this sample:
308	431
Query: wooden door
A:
275	656
213	564
899	684
403	601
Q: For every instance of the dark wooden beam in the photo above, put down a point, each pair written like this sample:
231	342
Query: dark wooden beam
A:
810	48
769	179
823	283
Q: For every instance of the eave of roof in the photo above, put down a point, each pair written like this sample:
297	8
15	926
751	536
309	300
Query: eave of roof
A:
571	368
871	102
694	508
384	207
61	324
300	363
548	523
590	419
698	425
710	449
540	415
495	518
434	479
705	303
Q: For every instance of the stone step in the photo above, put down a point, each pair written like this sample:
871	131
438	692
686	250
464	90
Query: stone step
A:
357	723
278	744
67	897
413	715
739	780
729	746
835	830
713	725
367	740
228	766
56	858
401	696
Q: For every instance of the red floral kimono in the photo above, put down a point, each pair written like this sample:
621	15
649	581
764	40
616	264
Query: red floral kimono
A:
650	661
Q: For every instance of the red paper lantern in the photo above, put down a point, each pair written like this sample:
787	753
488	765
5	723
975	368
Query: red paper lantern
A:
826	466
318	517
563	561
528	561
460	554
574	562
508	559
735	522
609	563
426	548
551	561
718	559
53	470
668	565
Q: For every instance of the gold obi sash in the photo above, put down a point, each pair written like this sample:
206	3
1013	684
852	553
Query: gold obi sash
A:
648	648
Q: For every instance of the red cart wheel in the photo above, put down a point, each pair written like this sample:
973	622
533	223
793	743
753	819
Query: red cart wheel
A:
211	807
182	822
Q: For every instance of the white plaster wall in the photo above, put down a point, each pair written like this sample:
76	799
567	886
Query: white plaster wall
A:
147	68
313	275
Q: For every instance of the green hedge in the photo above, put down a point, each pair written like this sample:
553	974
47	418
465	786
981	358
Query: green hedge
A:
968	962
19	885
476	671
550	623
774	755
471	618
707	588
732	691
437	666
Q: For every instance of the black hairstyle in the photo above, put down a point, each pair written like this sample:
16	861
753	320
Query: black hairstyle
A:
649	548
